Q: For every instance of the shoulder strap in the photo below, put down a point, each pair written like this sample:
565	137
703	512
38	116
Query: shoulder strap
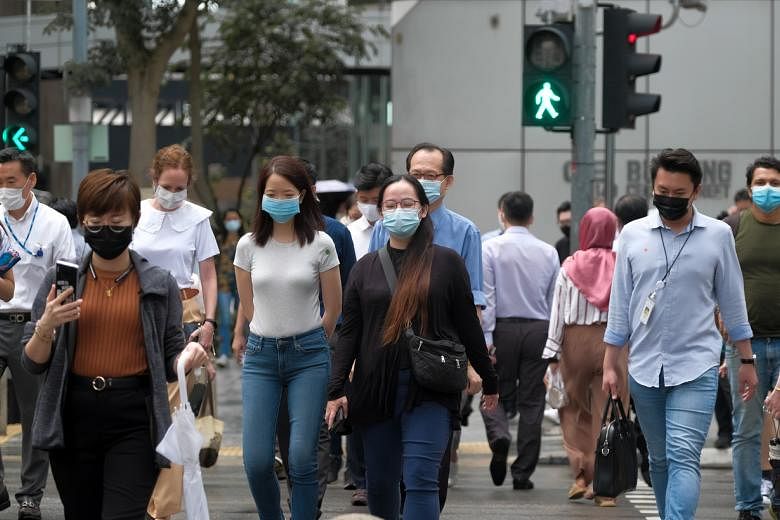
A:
387	267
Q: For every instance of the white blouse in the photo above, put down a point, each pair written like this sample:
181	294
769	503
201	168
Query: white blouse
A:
569	307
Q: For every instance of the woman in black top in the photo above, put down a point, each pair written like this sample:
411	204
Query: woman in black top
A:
405	426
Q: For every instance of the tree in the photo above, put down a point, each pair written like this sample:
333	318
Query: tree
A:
279	64
147	35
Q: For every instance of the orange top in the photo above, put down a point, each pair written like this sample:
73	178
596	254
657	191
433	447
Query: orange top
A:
110	340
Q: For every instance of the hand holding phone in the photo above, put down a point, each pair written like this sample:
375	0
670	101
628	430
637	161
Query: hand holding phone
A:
8	260
66	275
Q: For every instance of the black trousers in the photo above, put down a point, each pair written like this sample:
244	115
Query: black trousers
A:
519	345
106	470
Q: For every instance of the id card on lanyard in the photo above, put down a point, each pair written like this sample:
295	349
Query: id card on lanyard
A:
649	305
39	251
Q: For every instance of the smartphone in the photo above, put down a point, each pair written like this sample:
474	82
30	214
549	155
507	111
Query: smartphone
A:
66	274
8	260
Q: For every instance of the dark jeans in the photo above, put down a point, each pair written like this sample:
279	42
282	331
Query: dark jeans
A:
107	470
35	463
356	462
410	444
519	346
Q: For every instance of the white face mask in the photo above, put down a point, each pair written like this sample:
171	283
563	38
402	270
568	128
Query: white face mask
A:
170	199
370	211
12	198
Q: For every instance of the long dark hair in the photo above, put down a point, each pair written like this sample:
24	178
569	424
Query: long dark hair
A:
411	295
308	221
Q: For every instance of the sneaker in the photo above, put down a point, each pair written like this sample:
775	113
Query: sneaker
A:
766	491
29	510
221	361
281	474
551	414
500	449
524	485
360	497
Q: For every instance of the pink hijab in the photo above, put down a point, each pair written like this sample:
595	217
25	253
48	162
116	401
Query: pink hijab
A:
590	269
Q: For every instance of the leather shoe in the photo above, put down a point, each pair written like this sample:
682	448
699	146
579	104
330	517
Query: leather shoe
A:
604	501
525	485
577	491
500	449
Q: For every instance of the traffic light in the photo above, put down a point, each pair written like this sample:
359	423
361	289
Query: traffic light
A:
21	100
547	75
622	65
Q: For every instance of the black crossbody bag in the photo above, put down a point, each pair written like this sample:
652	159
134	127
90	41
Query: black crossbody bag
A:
438	365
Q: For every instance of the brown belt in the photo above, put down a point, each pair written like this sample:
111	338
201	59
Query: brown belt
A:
188	293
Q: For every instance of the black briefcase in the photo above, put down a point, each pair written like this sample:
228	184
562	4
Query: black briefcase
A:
616	461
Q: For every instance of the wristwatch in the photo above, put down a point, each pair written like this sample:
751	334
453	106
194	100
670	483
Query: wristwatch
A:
748	361
212	321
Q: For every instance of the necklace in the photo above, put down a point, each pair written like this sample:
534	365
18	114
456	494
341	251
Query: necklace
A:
117	281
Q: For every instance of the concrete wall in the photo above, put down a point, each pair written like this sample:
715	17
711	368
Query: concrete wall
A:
457	79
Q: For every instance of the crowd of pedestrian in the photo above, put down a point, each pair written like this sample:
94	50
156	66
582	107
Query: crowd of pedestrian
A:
382	331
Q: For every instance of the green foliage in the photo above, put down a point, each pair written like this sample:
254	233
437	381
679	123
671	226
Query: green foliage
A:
280	63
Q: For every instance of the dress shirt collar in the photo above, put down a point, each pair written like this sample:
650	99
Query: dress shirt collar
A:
363	224
656	222
521	230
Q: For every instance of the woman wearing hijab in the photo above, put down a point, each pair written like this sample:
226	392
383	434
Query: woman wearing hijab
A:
575	344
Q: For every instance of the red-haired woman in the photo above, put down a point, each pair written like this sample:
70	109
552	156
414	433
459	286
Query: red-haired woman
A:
405	427
281	268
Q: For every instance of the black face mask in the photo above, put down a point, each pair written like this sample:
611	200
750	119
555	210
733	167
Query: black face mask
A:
110	241
671	208
566	229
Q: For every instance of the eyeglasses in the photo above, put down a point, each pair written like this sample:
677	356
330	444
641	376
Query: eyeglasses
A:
426	176
97	228
390	205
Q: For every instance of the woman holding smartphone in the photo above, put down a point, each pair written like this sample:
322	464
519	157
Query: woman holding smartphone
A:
405	426
281	268
103	406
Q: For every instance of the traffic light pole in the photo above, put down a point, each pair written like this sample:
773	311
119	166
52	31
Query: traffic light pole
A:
81	105
584	132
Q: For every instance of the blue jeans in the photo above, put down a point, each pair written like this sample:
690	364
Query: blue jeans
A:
302	364
226	300
411	443
749	421
675	421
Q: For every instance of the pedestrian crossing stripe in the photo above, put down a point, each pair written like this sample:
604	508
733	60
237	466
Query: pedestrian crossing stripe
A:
643	500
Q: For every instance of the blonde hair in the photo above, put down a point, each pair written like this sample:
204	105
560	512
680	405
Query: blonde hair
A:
173	156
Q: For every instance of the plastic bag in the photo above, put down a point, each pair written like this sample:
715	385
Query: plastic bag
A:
556	392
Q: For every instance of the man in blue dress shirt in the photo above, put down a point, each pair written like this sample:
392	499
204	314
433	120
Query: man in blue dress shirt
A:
673	270
434	167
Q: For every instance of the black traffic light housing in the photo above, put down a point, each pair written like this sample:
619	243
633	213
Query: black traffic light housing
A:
547	75
21	100
621	104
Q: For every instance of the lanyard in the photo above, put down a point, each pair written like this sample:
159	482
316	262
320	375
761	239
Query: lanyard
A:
666	258
23	245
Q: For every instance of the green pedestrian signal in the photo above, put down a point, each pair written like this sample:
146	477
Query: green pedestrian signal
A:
547	75
19	137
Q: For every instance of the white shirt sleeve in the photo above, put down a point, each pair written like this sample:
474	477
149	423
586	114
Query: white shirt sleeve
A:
328	259
205	242
243	259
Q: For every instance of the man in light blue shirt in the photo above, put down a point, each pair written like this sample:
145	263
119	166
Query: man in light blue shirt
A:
673	270
434	167
520	272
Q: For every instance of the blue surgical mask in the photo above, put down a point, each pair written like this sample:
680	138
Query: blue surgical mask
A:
281	210
432	189
232	225
766	198
401	223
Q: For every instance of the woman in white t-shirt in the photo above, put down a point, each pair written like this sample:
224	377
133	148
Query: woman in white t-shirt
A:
280	270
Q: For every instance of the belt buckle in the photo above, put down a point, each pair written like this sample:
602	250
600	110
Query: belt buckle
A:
99	384
16	317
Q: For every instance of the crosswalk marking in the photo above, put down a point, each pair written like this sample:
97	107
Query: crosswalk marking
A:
643	500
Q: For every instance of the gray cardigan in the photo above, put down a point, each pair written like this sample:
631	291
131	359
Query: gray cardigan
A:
163	338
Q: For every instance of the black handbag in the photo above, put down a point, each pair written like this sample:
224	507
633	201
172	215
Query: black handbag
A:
616	462
438	365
